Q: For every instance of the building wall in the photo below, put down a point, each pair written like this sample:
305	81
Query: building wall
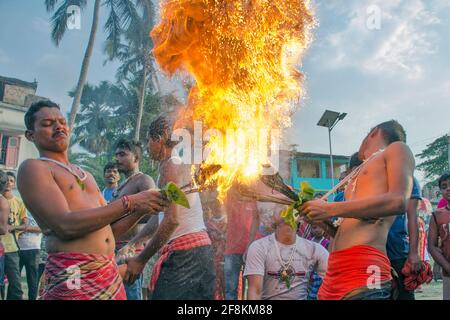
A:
11	124
16	95
320	184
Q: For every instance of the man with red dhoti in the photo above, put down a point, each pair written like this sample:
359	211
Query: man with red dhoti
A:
358	267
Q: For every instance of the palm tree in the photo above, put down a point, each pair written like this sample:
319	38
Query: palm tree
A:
93	126
132	22
59	28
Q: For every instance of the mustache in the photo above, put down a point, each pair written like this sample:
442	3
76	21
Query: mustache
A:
59	132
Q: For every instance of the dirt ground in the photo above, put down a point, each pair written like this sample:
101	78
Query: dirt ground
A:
432	291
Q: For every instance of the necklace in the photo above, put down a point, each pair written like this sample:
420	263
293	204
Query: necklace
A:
123	184
80	180
284	275
352	176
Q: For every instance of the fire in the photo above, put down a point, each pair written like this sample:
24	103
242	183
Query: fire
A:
242	55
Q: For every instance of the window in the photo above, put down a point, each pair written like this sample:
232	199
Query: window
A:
339	167
309	168
9	151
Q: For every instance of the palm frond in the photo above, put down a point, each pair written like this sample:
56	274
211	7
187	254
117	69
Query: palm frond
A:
59	18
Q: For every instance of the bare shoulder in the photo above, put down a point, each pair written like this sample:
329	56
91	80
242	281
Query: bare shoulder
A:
91	177
173	169
33	167
397	149
145	182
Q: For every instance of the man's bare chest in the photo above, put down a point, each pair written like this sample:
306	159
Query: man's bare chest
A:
76	193
370	180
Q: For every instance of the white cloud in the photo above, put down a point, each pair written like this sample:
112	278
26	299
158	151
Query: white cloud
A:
401	45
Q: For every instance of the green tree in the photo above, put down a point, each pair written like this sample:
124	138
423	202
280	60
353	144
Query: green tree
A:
434	158
59	28
128	41
93	125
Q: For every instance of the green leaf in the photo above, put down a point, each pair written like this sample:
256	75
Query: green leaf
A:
175	195
307	192
288	282
289	216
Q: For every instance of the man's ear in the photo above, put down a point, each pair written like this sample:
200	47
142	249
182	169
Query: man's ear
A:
29	135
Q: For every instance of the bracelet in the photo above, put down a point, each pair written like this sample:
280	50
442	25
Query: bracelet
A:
127	205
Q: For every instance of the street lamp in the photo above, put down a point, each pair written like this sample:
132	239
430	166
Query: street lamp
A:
329	120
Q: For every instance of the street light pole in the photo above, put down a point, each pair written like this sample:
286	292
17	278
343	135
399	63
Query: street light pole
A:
331	157
329	120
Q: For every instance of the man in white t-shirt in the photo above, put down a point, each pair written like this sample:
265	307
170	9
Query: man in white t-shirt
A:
30	246
278	266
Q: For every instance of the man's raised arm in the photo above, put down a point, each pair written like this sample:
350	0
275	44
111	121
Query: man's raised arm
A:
51	207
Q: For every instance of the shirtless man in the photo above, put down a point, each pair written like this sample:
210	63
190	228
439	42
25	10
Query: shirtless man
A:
128	155
4	210
358	267
69	208
185	268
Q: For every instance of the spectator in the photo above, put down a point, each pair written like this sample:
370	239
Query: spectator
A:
30	245
279	266
315	280
17	213
111	177
438	237
4	212
240	215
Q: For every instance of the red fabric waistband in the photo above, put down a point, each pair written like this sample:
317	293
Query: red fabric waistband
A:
353	268
186	242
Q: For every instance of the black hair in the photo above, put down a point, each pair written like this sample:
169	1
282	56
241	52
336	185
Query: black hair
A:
109	165
3	180
11	174
355	161
34	108
133	146
392	131
159	127
444	177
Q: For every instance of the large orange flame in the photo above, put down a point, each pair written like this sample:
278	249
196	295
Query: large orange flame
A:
242	55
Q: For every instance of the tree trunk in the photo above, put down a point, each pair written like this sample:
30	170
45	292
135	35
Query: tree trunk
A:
141	104
85	66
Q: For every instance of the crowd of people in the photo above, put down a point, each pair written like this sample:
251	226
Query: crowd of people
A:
128	241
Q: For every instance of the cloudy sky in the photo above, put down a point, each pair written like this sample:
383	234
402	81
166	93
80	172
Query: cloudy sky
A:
395	67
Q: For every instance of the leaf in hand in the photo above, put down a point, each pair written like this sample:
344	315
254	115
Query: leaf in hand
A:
175	195
307	193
